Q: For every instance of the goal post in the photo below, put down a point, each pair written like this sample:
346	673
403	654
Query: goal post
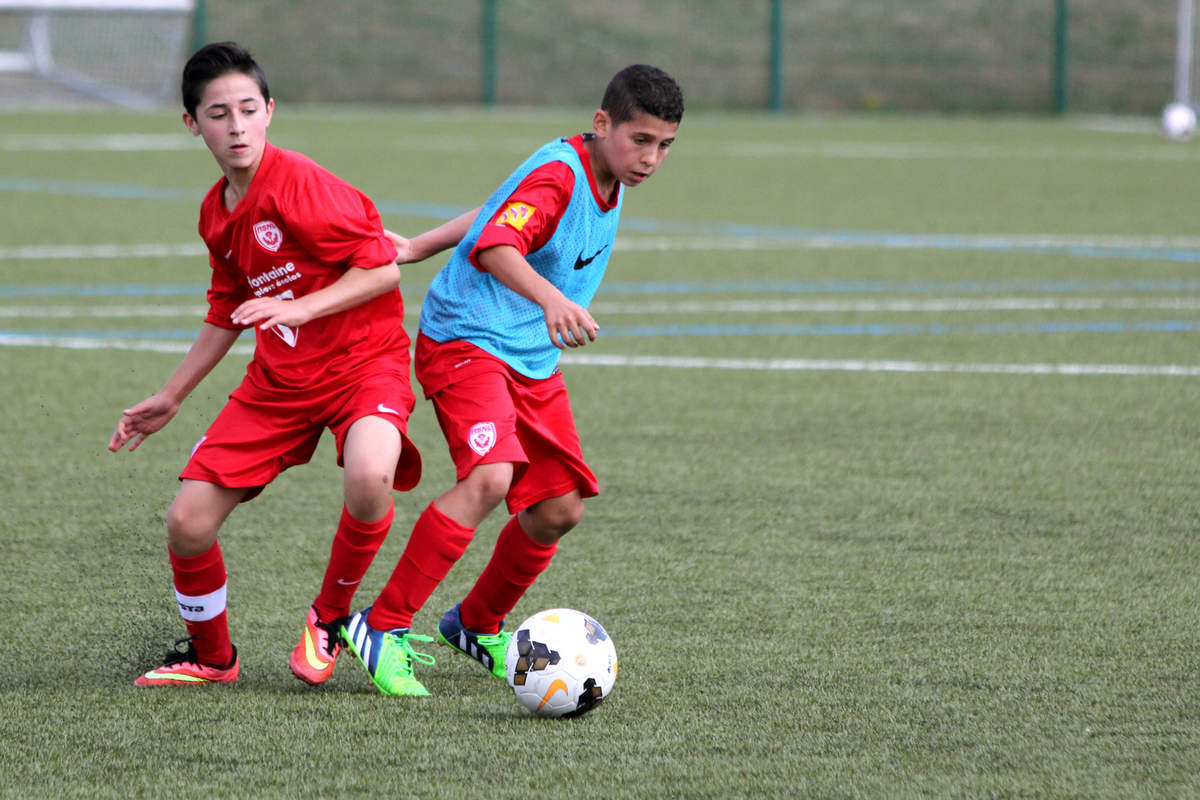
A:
1184	25
126	52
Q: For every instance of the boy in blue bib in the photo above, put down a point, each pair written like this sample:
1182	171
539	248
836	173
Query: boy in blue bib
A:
514	294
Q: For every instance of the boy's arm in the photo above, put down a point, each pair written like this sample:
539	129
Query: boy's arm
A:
153	413
433	241
567	323
355	287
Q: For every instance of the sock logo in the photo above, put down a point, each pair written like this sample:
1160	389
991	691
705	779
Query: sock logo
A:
203	607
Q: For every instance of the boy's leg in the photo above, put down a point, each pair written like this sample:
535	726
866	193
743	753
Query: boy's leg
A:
369	456
549	493
371	450
439	538
473	627
380	635
524	549
198	570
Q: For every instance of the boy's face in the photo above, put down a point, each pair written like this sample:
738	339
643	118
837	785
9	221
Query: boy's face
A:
232	118
633	150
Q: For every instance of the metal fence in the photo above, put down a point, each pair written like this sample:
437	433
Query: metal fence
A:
1092	56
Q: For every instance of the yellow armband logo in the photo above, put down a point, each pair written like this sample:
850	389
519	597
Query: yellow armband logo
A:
515	215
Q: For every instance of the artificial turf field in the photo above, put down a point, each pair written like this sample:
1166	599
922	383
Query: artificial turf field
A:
896	426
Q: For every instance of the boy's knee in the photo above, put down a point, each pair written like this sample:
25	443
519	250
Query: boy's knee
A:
489	484
190	532
550	520
368	493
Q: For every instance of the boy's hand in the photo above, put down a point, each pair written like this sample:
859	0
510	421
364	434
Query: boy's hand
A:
569	324
143	419
404	247
267	312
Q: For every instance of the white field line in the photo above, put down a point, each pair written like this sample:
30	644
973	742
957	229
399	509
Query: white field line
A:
35	252
112	312
86	343
831	365
134	142
817	148
682	307
817	240
908	151
96	142
684	362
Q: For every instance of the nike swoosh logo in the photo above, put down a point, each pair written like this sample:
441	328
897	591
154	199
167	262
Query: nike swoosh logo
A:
385	410
581	262
557	686
349	583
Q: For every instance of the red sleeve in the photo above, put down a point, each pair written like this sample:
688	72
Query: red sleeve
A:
530	215
337	224
226	292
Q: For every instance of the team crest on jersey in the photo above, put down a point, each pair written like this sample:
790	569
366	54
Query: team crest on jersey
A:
268	235
515	215
482	437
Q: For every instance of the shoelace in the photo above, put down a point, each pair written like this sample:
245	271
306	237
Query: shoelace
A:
333	634
178	656
490	638
411	655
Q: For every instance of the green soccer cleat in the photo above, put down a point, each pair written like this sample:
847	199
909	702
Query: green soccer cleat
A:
387	656
488	649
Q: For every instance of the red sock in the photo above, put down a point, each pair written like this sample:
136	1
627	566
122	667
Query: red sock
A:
354	547
200	592
436	543
516	563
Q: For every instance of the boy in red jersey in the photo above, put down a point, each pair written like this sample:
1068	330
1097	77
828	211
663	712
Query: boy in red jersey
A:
493	323
302	256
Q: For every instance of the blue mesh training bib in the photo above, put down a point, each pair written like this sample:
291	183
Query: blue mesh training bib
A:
465	303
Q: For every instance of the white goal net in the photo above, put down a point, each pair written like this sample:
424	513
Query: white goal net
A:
127	52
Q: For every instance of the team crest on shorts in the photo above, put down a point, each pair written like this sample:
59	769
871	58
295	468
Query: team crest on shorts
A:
268	235
482	437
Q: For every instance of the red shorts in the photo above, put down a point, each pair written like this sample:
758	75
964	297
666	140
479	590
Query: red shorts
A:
491	414
263	431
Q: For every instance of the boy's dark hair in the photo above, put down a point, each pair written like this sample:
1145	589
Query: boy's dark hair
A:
211	62
640	87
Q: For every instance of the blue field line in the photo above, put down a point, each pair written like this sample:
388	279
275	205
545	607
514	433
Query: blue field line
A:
772	287
101	189
894	287
728	331
854	238
673	331
912	241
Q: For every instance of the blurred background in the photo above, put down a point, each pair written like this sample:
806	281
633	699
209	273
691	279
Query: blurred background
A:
946	56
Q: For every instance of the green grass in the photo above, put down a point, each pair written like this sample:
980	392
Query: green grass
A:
821	582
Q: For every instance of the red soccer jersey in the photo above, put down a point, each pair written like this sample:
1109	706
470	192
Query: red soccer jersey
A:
298	230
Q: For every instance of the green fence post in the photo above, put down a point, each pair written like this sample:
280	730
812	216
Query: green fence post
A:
1059	70
488	50
775	68
199	25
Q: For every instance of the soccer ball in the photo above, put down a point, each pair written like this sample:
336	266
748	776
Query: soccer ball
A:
561	663
1178	121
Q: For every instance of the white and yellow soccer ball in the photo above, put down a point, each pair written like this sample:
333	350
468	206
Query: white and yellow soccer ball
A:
561	663
1178	121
